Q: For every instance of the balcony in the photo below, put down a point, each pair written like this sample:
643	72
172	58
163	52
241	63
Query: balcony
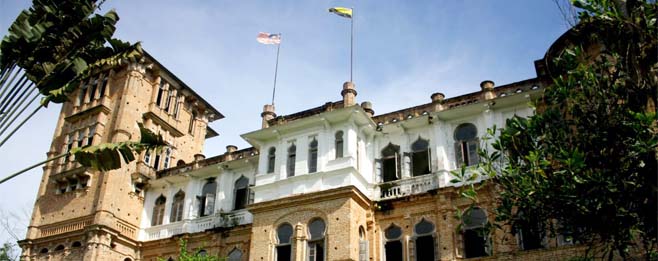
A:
409	186
218	220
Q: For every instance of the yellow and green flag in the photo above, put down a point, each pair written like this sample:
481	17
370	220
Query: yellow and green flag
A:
342	11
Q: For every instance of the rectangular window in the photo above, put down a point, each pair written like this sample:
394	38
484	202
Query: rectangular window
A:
156	163
389	169
283	253
90	135
69	142
161	89
81	138
92	89
101	93
167	158
420	163
82	94
177	101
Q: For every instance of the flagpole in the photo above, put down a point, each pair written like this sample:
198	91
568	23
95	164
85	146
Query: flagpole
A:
276	68
351	44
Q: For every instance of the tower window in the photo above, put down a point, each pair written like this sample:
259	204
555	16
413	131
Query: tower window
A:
190	128
271	159
158	211
92	89
241	193
466	144
101	93
339	144
83	93
81	138
420	157
90	134
177	207
313	156
161	90
290	164
283	246
235	255
167	158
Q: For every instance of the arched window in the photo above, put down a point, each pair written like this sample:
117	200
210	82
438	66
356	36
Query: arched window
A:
158	211
207	198
466	144
241	193
313	156
420	157
59	248
76	244
127	259
339	144
284	246
390	163
363	245
271	159
393	245
316	231
475	240
43	251
290	164
177	207
235	255
424	242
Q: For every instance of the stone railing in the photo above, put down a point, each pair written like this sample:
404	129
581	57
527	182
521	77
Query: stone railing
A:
218	220
64	228
409	186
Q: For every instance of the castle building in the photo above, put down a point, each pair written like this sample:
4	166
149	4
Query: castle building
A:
335	182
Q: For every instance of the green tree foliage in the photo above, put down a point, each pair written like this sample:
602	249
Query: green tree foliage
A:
195	255
7	252
585	165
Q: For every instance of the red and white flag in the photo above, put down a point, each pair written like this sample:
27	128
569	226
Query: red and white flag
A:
266	38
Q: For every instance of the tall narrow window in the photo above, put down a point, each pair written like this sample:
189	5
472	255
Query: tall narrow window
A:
161	90
90	135
69	142
177	101
339	144
390	163
241	193
101	93
313	156
475	240
363	245
207	198
420	157
424	242
466	144
83	93
316	231
167	158
158	211
156	162
271	159
81	138
177	207
530	234
170	100
235	255
190	128
393	245
147	157
284	246
290	164
92	89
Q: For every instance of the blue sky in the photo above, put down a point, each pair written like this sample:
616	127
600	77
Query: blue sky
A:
402	54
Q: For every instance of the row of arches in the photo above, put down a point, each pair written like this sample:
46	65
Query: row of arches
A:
206	201
316	230
419	155
312	162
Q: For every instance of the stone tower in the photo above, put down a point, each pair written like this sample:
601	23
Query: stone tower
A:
85	214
